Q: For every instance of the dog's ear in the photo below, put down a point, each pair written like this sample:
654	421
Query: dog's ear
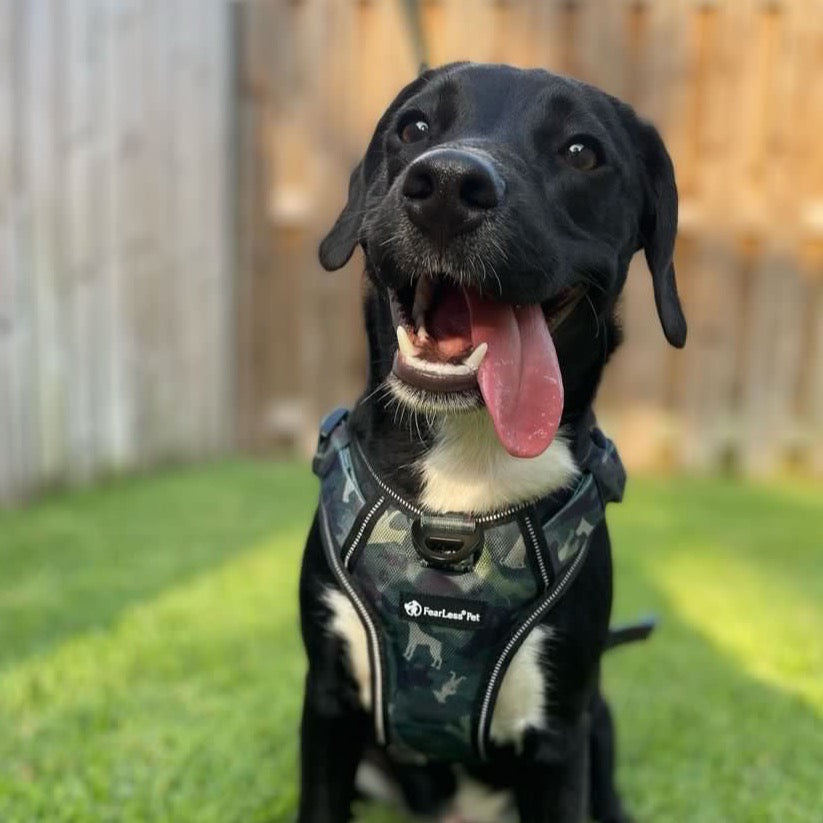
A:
658	227
338	245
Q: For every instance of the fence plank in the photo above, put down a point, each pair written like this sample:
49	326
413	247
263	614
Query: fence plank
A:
8	314
773	357
812	375
39	246
85	339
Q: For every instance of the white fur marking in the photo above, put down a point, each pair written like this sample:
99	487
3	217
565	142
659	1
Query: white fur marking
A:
374	784
347	626
476	803
468	469
521	702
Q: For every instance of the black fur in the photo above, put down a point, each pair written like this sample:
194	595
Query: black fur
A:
557	227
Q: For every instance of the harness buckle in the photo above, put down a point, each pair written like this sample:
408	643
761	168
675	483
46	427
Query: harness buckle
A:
322	457
607	467
446	541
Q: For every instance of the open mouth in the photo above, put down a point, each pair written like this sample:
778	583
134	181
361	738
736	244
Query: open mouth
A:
453	339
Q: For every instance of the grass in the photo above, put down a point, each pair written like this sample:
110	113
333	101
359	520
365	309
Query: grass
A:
150	666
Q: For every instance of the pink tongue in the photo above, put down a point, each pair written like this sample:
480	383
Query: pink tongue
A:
519	377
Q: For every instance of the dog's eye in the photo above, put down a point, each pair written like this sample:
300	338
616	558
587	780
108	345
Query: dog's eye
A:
413	130
581	156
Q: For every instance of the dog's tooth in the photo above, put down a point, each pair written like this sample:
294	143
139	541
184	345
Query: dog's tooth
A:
422	334
474	360
404	343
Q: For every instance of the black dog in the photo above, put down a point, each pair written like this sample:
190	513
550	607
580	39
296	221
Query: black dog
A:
498	210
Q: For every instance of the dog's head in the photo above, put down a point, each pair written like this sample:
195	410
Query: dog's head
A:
494	206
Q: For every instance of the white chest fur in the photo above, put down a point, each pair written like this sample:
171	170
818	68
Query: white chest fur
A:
468	469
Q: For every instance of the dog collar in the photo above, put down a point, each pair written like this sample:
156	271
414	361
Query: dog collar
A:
446	600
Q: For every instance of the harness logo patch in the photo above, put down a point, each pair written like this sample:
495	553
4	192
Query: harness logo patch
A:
445	611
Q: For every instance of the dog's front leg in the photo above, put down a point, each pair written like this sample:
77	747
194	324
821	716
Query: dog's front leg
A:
555	792
333	737
334	726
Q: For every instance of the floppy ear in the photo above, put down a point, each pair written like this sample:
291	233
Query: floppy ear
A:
658	227
338	245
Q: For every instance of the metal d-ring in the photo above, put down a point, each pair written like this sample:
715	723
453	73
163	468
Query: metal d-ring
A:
446	540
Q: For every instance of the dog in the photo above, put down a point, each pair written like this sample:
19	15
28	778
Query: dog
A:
498	210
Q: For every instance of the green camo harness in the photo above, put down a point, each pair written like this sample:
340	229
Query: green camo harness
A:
447	600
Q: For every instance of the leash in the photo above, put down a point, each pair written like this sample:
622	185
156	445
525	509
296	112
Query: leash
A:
630	632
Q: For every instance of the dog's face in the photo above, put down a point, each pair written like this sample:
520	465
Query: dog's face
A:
492	205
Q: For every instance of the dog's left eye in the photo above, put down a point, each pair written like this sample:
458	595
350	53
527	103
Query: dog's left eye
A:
413	130
581	155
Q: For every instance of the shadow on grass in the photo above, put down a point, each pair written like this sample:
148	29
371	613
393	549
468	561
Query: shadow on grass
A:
74	561
184	709
700	739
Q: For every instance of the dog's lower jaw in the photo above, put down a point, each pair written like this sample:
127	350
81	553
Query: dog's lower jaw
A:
468	470
429	404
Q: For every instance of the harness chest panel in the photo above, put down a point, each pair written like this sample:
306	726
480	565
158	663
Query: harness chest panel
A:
441	634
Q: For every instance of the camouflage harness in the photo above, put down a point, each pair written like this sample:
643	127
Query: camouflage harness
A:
447	600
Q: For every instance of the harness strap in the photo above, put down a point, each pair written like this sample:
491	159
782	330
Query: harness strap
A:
323	455
603	461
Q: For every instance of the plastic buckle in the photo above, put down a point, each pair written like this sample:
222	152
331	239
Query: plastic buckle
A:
446	541
607	467
330	422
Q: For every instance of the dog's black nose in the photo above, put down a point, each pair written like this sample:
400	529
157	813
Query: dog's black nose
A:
448	191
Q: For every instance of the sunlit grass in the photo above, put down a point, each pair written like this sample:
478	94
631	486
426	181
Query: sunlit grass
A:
758	619
150	664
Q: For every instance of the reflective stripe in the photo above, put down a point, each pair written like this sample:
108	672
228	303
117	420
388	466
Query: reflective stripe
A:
484	721
537	553
365	617
361	531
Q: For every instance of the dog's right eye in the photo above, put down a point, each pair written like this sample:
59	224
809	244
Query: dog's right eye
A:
414	130
581	154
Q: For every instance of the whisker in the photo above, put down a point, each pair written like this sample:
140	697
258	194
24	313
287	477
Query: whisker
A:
594	314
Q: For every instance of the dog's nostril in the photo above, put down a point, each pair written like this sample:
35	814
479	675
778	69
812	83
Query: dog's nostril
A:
419	184
478	191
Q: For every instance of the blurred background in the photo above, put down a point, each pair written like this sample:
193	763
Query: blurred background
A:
168	344
167	168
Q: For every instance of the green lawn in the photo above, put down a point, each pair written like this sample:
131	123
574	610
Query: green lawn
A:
150	666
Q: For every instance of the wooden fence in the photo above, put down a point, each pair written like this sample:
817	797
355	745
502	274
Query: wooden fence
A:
167	168
115	227
737	90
